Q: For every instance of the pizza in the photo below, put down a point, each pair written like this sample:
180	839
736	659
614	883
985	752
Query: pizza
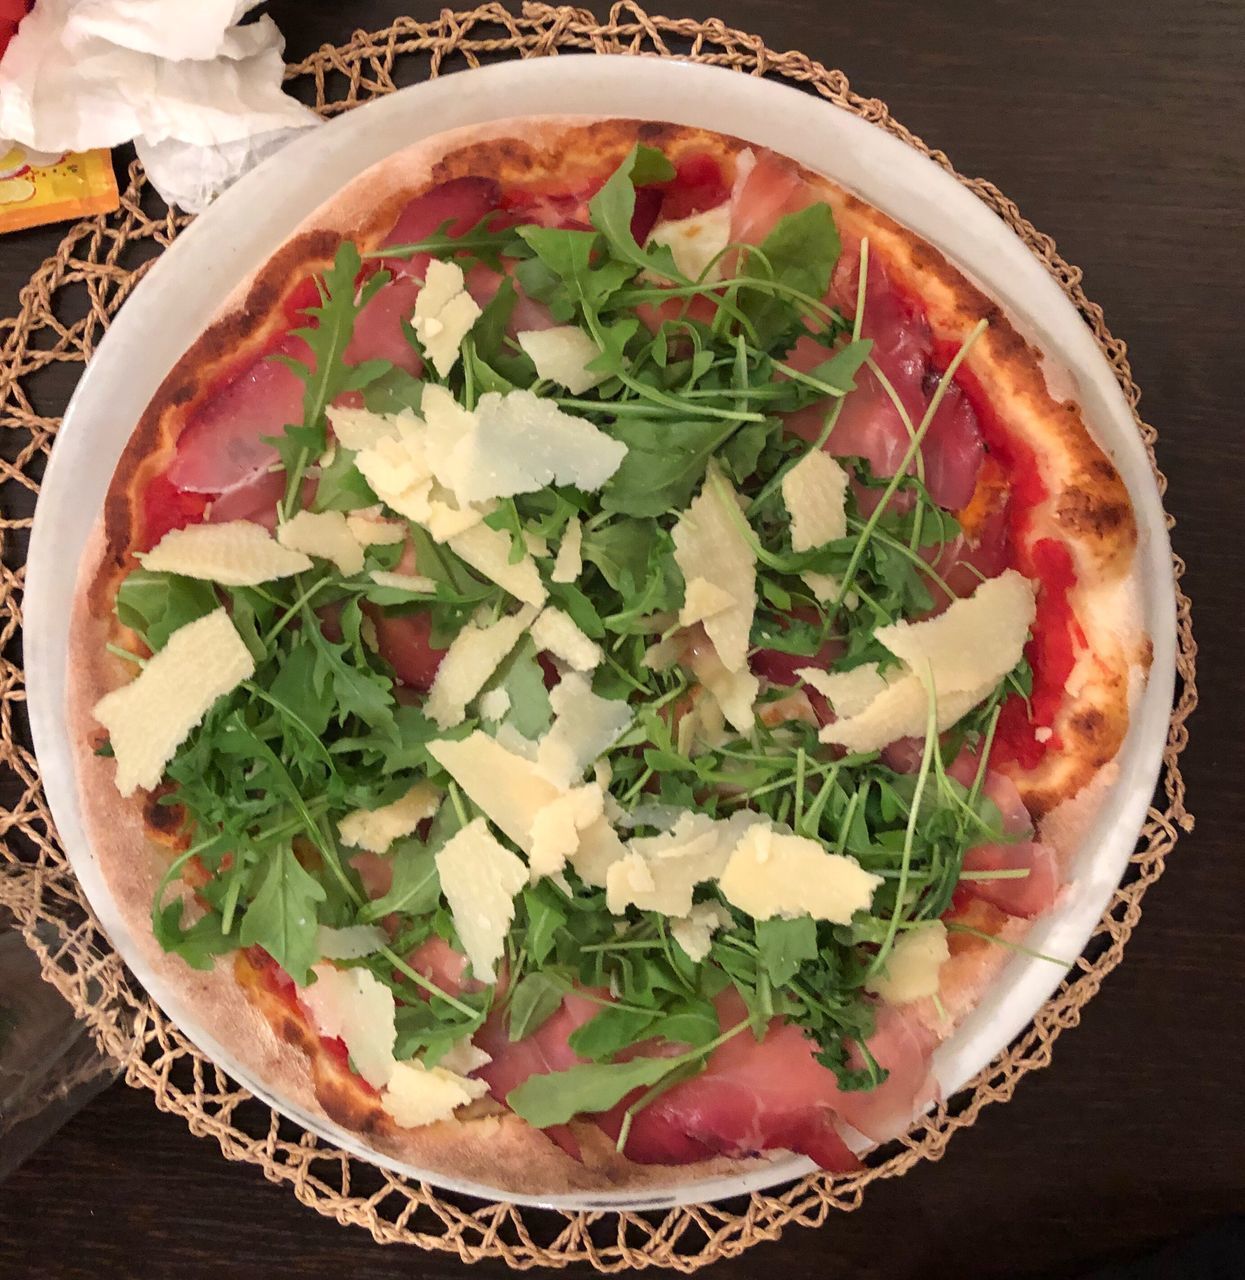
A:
593	661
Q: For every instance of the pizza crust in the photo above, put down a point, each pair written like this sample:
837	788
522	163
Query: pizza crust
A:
1088	508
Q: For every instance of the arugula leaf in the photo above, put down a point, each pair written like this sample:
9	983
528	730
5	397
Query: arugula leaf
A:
282	915
799	253
615	1027
536	998
157	604
613	207
523	679
784	945
664	463
200	944
559	1096
416	887
545	917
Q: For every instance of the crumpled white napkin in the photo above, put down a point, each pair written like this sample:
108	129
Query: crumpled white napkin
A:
200	96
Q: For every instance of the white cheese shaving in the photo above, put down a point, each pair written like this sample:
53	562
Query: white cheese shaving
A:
419	1095
377	829
149	718
357	429
562	354
519	443
959	657
416	583
694	932
815	492
556	828
708	544
557	633
848	692
463	1057
703	599
584	727
510	790
696	241
735	692
325	534
972	640
569	563
494	704
535	544
370	531
351	943
599	849
488	551
913	965
354	1006
238	553
824	586
473	656
479	877
444	314
772	874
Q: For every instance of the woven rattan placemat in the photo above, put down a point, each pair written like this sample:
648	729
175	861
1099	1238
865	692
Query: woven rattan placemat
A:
62	313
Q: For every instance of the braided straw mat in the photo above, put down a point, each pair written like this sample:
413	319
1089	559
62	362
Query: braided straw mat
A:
63	310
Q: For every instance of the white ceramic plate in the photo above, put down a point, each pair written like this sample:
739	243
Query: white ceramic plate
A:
177	299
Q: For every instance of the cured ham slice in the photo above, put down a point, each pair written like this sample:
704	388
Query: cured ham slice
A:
405	643
769	192
483	283
460	203
223	445
771	1095
378	331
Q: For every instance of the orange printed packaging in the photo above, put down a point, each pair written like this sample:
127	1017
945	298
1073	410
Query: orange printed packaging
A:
37	187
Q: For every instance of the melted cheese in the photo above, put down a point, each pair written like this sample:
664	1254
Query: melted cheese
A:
238	553
815	491
326	534
377	829
474	655
149	718
444	314
479	878
562	354
708	544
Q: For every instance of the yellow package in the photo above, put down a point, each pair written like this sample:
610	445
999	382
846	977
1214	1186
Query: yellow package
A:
38	187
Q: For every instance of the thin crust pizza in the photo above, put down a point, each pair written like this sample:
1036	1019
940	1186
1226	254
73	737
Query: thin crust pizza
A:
591	663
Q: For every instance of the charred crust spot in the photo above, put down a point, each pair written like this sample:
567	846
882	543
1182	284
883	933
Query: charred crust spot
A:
1095	515
347	1105
163	820
1088	723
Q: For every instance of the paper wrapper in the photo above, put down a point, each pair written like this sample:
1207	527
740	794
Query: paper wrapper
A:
36	188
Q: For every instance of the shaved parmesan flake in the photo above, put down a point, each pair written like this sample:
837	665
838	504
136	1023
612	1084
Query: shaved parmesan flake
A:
535	544
325	534
374	532
735	692
660	872
488	552
510	790
569	563
913	964
599	849
556	828
479	877
824	586
463	1057
694	932
964	652
972	640
584	727
703	728
708	544
519	443
664	654
556	632
771	874
351	943
696	241
848	692
815	491
444	314
474	654
416	583
494	704
354	1006
562	354
361	428
238	553
703	599
148	719
377	829
419	1095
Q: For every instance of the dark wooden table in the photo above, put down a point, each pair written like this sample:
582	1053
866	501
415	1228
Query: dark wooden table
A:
1117	127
